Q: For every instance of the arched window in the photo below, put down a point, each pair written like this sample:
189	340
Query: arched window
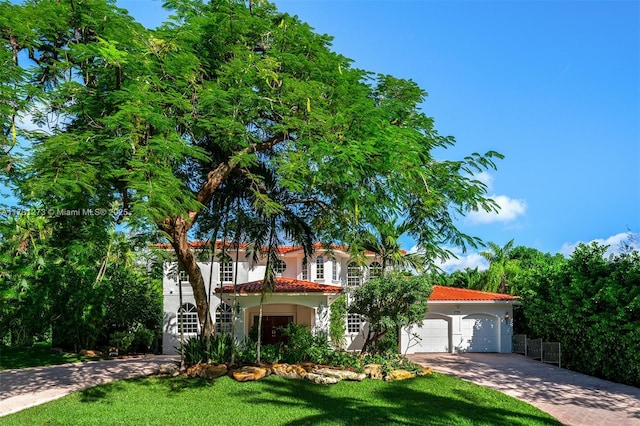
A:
188	319
375	270
224	316
319	268
353	274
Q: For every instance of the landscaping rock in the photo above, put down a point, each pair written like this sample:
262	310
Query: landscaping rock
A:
207	371
289	371
321	379
399	375
373	370
425	371
169	369
248	373
91	353
340	374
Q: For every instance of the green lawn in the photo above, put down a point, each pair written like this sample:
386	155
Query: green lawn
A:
39	354
431	400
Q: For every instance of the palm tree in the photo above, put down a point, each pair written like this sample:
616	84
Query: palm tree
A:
275	218
383	239
499	266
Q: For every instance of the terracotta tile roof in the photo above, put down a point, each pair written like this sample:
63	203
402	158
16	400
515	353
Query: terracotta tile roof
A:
283	285
202	244
443	293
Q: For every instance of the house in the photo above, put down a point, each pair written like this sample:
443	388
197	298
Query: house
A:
457	319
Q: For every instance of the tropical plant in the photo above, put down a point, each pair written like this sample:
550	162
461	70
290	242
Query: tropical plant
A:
389	303
501	267
158	122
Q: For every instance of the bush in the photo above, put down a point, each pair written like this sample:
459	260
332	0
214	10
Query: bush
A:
121	340
216	349
304	346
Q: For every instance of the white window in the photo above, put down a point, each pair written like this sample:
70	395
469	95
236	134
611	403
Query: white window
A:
224	315
375	270
334	270
305	269
183	277
226	272
354	323
188	319
281	267
353	274
319	268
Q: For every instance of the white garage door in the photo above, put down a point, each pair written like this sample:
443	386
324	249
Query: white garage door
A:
480	333
433	336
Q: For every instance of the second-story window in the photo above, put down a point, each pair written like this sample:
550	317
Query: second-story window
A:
226	272
353	274
334	270
319	268
280	267
305	269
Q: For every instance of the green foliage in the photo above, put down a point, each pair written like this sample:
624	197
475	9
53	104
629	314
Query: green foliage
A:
390	303
304	346
228	103
121	340
337	321
591	305
216	349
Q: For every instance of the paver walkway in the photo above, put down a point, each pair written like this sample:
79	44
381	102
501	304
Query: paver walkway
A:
23	388
573	398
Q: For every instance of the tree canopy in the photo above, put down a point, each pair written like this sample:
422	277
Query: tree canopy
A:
228	100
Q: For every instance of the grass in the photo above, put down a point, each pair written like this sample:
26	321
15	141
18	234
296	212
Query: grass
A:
431	400
38	355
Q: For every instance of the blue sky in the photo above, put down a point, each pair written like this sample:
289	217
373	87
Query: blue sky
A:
552	85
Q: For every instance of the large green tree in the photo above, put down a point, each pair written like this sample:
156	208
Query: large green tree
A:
160	122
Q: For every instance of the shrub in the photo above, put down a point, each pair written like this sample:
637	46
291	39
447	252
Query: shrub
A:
216	349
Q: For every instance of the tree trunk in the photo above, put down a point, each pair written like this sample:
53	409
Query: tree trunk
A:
178	228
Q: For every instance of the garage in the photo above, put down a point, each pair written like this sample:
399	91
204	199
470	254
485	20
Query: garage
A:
431	336
480	333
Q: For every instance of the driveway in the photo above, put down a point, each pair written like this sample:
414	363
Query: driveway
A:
573	398
23	388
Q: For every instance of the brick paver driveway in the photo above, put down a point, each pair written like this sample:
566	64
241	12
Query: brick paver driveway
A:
574	399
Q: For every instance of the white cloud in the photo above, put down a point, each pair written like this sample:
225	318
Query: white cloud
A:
510	209
462	260
614	242
485	178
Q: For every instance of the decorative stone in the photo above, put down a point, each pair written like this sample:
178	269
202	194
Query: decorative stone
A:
322	380
90	353
373	370
248	373
399	375
425	371
207	371
169	369
289	371
341	374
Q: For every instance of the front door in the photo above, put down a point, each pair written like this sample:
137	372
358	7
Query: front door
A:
271	332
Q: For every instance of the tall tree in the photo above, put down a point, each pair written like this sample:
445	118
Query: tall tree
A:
159	121
500	267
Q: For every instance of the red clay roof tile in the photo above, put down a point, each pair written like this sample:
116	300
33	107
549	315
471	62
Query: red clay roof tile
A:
283	285
443	293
